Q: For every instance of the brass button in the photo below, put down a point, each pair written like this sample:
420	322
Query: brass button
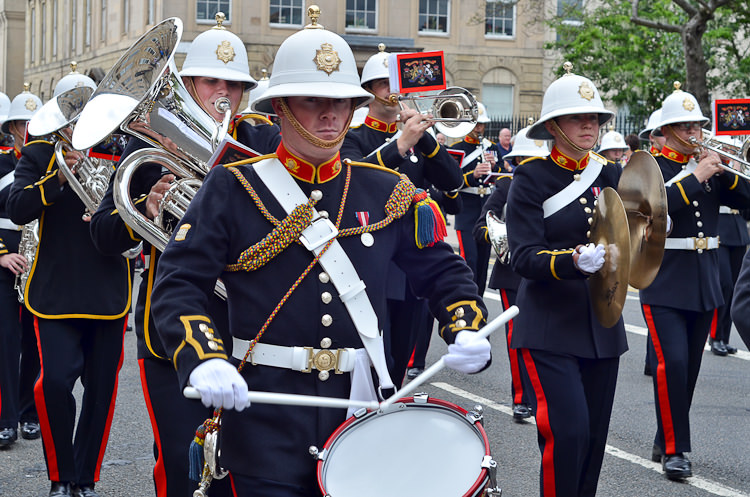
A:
577	177
316	195
326	297
460	323
695	203
213	346
590	221
459	312
699	224
324	278
203	327
326	320
583	200
700	234
697	213
324	375
587	210
323	214
326	343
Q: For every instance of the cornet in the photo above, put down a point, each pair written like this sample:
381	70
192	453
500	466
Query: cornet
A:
454	109
713	145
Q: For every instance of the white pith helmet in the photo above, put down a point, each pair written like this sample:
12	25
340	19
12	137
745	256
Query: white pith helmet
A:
218	53
256	92
376	66
523	146
570	94
680	107
313	62
612	140
4	106
22	108
653	122
482	116
73	79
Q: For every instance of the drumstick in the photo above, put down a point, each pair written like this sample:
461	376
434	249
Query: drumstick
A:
291	399
440	364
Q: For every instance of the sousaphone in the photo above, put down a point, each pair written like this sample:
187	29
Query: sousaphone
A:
644	196
608	287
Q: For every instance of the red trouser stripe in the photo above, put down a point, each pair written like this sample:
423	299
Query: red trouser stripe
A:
112	401
714	324
461	251
160	476
515	371
665	410
543	426
41	407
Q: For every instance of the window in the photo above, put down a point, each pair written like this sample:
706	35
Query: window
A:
125	16
570	11
206	10
43	32
433	16
87	21
150	13
361	14
103	35
33	31
54	28
287	12
498	99
73	24
499	18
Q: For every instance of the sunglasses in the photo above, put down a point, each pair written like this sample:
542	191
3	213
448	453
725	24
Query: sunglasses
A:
688	126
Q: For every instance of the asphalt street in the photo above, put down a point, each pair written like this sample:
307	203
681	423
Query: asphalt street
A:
720	427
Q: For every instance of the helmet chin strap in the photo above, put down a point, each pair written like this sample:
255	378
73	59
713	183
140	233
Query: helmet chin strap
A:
566	139
686	144
192	90
309	137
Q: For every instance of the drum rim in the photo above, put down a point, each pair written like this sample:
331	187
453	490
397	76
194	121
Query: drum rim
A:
482	479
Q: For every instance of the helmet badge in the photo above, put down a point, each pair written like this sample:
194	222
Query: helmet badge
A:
327	59
30	104
225	52
585	91
688	104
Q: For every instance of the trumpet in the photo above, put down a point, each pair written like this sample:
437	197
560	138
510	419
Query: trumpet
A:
744	164
454	110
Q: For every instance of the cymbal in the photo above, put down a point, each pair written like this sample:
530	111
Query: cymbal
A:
608	287
642	191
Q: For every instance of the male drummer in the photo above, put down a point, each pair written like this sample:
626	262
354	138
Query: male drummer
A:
679	322
305	317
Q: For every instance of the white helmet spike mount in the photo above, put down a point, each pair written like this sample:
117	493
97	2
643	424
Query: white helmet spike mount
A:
570	94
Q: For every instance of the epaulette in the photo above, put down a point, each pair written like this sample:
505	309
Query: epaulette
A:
597	157
356	126
249	160
371	166
256	117
533	158
455	143
37	141
504	175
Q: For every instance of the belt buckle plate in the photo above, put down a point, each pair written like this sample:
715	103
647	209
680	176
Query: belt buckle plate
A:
700	243
323	360
333	231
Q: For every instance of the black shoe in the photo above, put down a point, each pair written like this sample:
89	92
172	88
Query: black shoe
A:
647	369
676	466
412	373
656	453
85	491
730	349
521	412
30	430
60	489
8	437
718	348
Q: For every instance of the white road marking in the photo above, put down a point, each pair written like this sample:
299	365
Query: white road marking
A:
695	481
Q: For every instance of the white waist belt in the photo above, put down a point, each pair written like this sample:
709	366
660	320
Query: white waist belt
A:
477	190
7	224
692	243
303	359
723	209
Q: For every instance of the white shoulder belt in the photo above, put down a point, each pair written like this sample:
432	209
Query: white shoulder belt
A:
574	189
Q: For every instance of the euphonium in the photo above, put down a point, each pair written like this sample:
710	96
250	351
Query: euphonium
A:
27	248
497	232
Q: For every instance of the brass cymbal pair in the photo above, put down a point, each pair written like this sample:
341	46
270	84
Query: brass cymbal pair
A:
631	223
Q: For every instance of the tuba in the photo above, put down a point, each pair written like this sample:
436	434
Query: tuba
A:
144	96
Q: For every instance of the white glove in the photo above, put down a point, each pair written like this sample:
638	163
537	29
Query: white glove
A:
467	354
591	258
220	385
669	224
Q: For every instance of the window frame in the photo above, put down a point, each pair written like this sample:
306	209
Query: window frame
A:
212	20
447	15
366	29
287	25
513	19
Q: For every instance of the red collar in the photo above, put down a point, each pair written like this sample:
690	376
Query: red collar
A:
379	125
654	151
17	153
568	163
674	155
471	140
305	171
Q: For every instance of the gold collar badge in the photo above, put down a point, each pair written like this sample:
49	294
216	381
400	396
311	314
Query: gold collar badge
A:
327	59
688	104
585	91
30	104
225	52
292	165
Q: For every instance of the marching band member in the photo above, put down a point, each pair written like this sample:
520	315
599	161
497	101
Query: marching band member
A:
414	152
503	278
571	359
80	300
613	147
325	295
174	420
481	159
679	322
17	338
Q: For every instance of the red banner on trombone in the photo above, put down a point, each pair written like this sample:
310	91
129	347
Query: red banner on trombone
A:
732	116
417	72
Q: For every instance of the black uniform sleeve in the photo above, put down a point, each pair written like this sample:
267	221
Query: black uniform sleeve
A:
741	301
35	185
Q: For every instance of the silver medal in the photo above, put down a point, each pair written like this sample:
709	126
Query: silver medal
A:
367	239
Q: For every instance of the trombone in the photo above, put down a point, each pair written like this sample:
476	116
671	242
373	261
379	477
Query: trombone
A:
454	110
707	144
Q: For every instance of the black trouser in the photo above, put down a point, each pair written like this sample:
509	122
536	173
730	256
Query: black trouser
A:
409	320
730	262
476	255
19	357
174	420
677	340
70	349
572	401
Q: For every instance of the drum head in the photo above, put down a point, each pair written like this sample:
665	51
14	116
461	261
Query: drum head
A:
417	449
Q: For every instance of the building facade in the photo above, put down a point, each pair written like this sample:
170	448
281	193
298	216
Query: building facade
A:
494	48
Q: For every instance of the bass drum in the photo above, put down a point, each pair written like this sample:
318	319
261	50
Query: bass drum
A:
448	453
